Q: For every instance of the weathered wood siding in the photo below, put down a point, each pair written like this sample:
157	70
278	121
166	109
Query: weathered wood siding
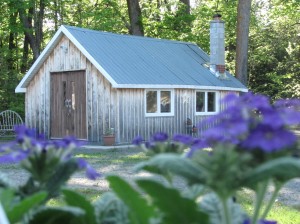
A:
132	120
64	57
107	107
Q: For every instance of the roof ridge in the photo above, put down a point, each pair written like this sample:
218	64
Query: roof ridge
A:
129	36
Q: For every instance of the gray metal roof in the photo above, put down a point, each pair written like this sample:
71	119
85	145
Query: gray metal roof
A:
139	62
147	61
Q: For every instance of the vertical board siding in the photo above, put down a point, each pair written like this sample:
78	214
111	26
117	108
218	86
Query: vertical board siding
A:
107	107
37	97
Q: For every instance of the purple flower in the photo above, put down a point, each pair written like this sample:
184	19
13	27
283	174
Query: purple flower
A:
81	163
90	172
290	117
197	145
268	139
149	145
160	137
287	103
69	141
23	132
255	101
248	221
138	140
272	118
14	157
252	122
184	139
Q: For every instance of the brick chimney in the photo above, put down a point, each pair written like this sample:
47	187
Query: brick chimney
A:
217	46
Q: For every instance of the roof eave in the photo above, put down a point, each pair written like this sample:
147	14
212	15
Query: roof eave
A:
164	86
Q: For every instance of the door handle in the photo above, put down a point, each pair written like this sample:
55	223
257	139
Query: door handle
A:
68	105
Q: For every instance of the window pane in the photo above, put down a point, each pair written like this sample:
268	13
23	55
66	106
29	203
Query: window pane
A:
73	95
151	102
165	101
211	98
200	102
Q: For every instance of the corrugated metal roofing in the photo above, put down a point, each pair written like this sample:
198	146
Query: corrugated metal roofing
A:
137	60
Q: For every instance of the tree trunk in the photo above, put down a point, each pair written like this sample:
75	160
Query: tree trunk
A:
135	16
242	37
38	24
188	5
56	15
12	38
24	64
27	30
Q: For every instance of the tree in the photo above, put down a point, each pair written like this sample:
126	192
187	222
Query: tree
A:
187	6
135	16
242	37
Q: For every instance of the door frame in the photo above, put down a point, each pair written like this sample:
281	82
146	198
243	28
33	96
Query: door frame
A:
86	101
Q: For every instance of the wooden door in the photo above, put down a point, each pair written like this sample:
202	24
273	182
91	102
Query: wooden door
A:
68	105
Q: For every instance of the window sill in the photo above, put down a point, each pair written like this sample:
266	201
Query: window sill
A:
159	115
206	113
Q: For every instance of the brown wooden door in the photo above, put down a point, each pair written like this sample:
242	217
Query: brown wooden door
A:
68	104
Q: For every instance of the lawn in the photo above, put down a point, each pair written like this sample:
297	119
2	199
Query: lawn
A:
121	162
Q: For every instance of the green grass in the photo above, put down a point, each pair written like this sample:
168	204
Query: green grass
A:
281	213
113	156
90	194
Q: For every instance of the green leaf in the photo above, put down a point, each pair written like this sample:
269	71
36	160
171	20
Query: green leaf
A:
54	182
171	163
281	169
57	215
175	208
212	205
63	172
6	198
16	213
76	200
140	212
5	181
110	209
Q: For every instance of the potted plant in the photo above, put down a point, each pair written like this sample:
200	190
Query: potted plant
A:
109	137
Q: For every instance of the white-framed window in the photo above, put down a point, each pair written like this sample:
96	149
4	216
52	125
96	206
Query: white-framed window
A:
159	102
207	102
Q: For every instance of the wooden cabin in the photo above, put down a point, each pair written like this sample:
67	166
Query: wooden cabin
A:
86	81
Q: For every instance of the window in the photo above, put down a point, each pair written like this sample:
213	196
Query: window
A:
159	103
206	102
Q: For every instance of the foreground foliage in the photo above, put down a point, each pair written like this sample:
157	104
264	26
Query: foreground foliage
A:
249	146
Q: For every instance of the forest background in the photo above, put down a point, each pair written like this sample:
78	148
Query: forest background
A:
273	68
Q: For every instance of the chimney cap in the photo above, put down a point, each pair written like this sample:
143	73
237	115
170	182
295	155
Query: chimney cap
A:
217	16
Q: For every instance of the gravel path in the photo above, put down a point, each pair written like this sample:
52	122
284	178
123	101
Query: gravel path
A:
289	194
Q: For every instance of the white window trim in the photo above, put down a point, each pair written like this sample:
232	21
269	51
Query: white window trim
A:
159	114
217	102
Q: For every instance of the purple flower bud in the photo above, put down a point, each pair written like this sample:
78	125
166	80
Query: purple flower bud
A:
14	157
248	221
22	130
149	145
81	163
91	173
184	139
138	140
160	137
268	139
